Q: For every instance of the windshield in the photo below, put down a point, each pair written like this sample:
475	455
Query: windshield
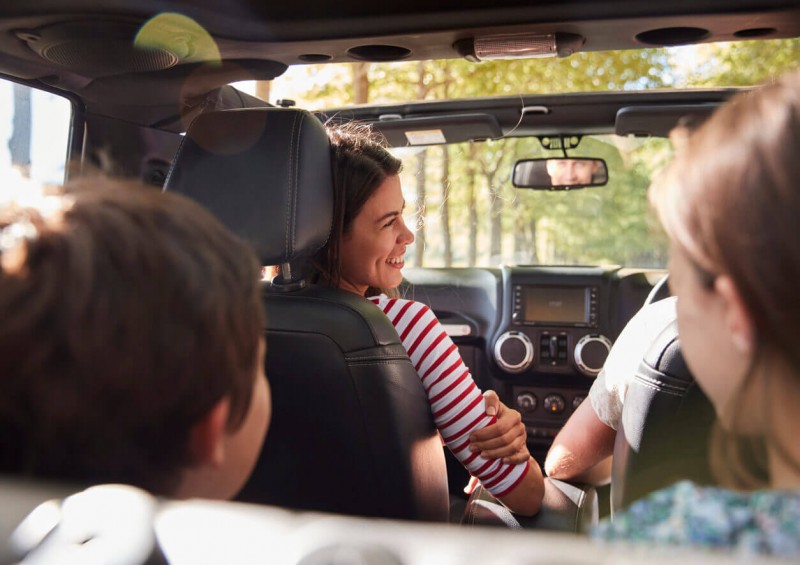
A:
468	213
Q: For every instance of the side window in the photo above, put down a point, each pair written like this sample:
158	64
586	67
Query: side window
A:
34	134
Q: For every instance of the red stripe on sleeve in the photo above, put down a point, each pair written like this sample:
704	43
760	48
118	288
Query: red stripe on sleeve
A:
425	331
502	476
515	483
458	363
399	316
389	306
457	450
431	347
466	428
484	467
455	402
439	361
411	325
450	387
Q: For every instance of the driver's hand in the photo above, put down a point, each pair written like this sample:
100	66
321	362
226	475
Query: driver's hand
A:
506	438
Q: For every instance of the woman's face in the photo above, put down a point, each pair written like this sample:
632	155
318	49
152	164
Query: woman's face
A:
373	251
704	326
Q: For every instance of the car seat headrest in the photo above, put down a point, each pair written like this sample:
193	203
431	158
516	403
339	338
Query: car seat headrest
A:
664	357
265	173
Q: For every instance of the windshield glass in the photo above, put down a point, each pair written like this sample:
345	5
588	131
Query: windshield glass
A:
467	213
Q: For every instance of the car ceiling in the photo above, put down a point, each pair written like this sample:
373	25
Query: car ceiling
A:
86	47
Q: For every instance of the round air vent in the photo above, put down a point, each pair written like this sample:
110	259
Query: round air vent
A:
754	32
378	53
667	36
314	57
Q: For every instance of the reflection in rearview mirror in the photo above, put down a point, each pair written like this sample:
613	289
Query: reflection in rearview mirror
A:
559	173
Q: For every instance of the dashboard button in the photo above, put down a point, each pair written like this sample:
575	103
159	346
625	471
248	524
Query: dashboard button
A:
554	403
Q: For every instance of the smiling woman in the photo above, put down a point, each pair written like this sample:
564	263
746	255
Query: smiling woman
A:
365	255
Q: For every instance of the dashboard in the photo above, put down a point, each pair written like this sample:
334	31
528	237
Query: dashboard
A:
538	335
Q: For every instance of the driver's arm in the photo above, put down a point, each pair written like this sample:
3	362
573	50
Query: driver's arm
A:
582	450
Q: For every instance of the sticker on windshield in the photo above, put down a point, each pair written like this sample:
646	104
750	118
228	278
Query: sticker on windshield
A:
425	137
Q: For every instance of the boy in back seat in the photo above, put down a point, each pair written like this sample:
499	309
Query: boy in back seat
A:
131	342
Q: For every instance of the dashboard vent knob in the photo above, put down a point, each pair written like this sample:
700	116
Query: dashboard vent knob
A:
590	354
513	351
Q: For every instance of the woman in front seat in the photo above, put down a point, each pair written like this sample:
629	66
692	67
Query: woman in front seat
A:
730	204
365	255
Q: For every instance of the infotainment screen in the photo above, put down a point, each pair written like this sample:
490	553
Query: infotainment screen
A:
560	305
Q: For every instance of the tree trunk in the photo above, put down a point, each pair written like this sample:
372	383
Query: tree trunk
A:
419	247
445	209
360	83
472	206
496	220
520	240
533	253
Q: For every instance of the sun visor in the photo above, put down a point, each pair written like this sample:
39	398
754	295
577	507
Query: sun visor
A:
657	121
436	130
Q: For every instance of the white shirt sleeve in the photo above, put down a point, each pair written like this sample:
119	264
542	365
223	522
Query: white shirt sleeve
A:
608	391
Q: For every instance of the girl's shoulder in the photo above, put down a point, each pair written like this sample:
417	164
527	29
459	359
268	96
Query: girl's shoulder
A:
757	522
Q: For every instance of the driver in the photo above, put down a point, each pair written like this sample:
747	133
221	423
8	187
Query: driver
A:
572	172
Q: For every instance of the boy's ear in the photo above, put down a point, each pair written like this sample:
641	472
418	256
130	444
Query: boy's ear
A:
738	321
208	435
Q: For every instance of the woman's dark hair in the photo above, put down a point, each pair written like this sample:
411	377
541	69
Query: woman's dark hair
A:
361	163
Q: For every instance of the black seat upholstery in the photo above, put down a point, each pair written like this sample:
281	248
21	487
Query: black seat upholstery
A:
351	430
666	421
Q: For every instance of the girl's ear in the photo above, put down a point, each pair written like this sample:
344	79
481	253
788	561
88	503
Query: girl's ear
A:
738	321
207	435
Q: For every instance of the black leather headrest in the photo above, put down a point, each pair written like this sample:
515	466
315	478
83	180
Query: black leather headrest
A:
664	357
265	173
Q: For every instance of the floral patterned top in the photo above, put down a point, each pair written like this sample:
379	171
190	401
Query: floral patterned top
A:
765	522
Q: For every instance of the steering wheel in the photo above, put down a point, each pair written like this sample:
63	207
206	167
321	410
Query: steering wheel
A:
659	291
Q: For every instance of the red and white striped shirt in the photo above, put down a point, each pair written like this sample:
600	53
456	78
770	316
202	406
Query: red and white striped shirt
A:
456	401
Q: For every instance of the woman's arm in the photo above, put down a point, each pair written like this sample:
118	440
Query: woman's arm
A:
457	404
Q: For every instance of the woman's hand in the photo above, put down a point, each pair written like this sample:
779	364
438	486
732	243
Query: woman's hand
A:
506	438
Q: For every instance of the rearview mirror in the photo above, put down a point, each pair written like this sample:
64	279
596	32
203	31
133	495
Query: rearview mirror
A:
559	173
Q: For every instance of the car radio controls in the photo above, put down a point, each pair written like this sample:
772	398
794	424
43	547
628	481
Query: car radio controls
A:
554	403
591	352
526	402
513	352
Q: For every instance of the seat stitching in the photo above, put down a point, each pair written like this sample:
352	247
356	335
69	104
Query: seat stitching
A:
297	127
654	385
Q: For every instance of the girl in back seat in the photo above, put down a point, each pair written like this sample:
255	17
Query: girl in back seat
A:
730	203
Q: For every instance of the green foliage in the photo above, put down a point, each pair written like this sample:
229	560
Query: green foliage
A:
610	224
744	63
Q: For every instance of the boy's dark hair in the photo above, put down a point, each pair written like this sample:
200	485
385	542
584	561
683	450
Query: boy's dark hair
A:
127	314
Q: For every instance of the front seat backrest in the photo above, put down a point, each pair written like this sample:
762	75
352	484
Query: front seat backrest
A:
666	421
351	431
